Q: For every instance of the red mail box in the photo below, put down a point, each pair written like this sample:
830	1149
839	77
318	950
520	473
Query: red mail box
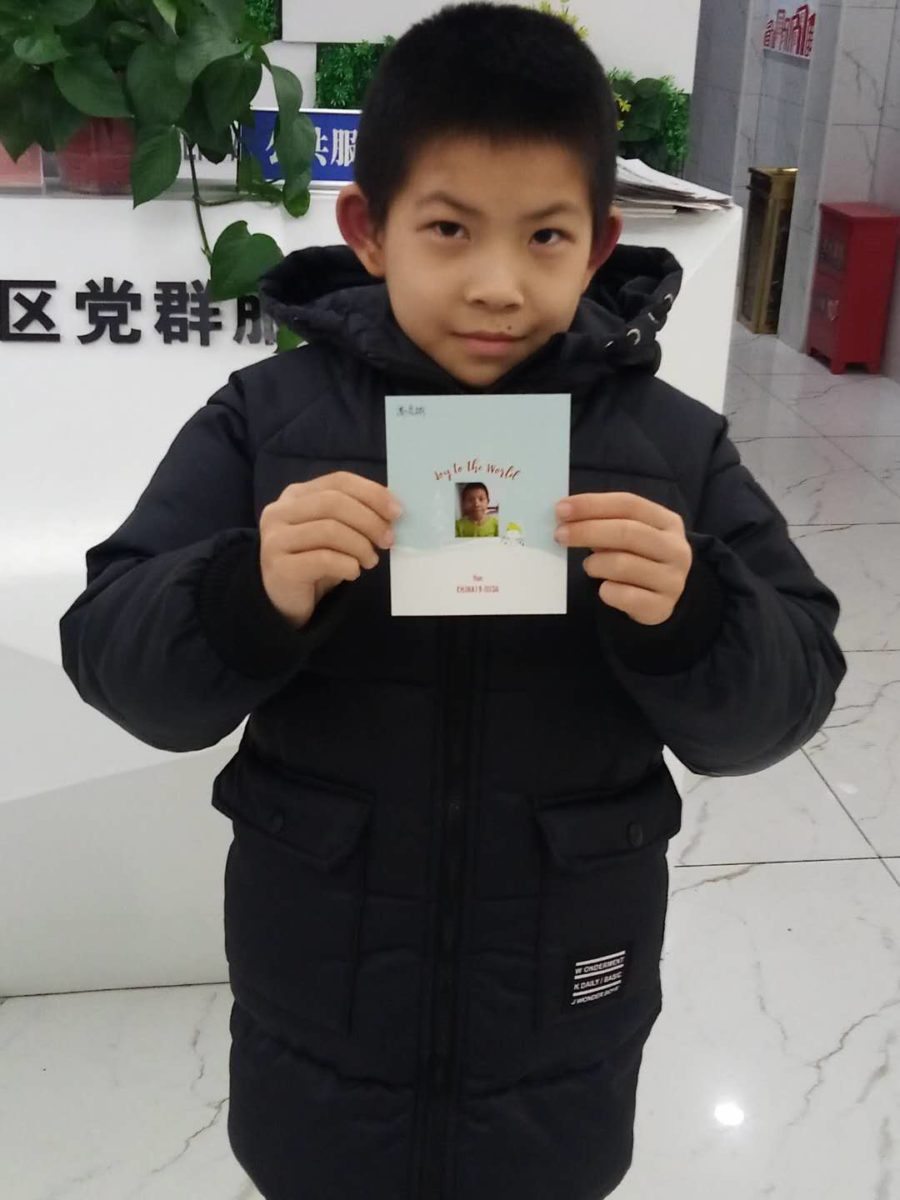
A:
853	284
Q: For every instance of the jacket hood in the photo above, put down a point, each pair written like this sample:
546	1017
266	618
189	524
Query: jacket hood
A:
325	294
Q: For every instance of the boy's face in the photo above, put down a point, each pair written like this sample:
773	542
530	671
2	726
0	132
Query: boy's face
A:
495	269
475	505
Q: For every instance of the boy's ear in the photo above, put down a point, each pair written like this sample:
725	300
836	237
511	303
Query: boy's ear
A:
604	244
357	230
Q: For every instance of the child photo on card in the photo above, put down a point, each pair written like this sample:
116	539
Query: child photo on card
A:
479	476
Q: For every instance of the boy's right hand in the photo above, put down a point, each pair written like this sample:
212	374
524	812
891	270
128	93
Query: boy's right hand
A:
317	534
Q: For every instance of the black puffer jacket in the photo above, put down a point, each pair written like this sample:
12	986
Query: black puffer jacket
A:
446	893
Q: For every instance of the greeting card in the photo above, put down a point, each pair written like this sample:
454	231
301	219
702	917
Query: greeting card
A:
479	477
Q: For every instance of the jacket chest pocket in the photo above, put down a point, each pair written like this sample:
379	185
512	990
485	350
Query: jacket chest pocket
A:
603	901
294	887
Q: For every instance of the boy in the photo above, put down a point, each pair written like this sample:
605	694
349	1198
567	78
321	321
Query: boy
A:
446	893
475	521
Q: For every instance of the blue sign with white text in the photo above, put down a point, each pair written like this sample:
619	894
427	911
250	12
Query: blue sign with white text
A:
336	131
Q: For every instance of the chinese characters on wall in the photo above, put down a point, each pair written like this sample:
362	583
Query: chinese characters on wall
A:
792	33
333	157
183	312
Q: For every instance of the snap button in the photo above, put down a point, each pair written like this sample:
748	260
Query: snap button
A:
636	833
275	821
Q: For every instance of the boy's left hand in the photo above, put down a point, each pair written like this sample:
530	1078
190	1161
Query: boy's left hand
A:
640	551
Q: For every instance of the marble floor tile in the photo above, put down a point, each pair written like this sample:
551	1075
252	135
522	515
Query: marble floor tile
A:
857	750
789	388
771	1072
861	564
767	1075
784	814
814	482
893	865
860	409
879	455
753	412
118	1094
742	336
769	356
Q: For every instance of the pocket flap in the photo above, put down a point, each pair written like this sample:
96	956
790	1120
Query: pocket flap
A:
321	821
583	829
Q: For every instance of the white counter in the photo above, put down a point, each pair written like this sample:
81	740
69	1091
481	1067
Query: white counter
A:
110	854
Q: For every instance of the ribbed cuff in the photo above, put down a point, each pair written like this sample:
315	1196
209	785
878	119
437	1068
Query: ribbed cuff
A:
244	626
677	643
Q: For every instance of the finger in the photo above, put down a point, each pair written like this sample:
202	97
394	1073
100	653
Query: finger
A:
628	568
644	607
334	504
328	534
374	495
626	505
632	537
314	566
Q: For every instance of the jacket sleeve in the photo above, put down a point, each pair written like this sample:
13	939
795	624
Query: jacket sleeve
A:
747	668
174	637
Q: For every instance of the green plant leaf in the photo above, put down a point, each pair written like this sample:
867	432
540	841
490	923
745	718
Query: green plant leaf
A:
168	10
158	95
232	234
295	143
215	144
229	12
128	31
228	88
156	162
16	134
14	137
65	12
39	48
122	38
250	178
288	90
205	42
89	83
239	258
296	195
286	340
12	73
91	31
636	132
648	87
48	118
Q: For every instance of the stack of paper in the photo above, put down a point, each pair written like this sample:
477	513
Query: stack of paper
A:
642	191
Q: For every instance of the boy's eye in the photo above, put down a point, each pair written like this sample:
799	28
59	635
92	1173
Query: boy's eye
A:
455	225
559	231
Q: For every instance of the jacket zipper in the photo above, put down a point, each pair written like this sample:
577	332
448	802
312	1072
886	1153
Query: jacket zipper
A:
460	664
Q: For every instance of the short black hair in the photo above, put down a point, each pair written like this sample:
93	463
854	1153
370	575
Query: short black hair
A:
498	71
469	487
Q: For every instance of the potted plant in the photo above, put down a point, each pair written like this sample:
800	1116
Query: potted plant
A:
135	80
655	120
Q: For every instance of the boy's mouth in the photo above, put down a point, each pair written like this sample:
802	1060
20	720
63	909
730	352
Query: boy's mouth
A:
481	335
491	346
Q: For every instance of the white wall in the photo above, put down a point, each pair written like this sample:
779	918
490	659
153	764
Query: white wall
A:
648	37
